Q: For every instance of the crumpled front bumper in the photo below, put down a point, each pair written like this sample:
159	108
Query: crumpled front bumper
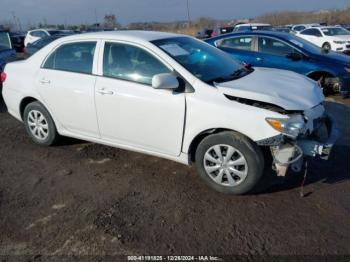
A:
290	153
314	147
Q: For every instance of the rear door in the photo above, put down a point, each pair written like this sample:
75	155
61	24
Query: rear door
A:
66	84
239	47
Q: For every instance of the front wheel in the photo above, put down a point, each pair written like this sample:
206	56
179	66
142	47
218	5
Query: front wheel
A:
229	163
326	47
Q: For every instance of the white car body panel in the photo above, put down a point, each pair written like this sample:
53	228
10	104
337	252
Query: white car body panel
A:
274	86
139	118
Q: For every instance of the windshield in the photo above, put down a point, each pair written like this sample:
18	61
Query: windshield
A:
206	62
5	42
332	31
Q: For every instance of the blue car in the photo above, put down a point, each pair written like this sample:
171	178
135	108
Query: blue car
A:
286	51
7	53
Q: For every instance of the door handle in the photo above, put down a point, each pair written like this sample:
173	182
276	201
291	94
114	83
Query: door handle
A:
103	91
45	81
259	59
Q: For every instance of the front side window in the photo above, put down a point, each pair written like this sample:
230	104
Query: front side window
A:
128	62
74	57
244	42
274	47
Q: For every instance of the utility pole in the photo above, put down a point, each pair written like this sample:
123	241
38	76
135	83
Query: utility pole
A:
95	16
188	13
15	20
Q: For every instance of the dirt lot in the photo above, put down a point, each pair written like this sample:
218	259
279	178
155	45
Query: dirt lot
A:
81	198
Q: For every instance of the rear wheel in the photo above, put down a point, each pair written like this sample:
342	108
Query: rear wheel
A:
39	124
229	163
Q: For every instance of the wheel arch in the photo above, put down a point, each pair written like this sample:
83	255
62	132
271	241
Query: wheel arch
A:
199	137
24	102
316	74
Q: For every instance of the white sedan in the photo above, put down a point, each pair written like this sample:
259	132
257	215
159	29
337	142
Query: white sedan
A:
170	96
36	34
333	38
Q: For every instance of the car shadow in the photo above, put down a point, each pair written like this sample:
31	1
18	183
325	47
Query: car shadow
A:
3	108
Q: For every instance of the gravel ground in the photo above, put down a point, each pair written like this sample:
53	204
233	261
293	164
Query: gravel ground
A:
81	198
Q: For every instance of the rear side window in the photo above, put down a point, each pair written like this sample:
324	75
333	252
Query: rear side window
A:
131	63
274	47
243	43
75	57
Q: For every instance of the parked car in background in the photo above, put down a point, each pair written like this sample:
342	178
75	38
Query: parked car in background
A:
252	27
282	29
7	53
222	30
32	48
328	37
17	39
36	34
148	92
301	27
287	51
204	33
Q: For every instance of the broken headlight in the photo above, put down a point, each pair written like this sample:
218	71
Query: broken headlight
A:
290	127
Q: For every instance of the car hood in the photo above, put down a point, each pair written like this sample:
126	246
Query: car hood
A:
282	88
341	38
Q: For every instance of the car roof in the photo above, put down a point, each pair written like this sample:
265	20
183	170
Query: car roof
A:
253	24
132	35
258	32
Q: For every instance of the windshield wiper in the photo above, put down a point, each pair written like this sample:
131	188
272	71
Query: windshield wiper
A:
235	75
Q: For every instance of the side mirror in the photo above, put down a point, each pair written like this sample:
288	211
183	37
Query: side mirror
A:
295	56
165	81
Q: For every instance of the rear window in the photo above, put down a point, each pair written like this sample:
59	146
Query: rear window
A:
5	42
74	57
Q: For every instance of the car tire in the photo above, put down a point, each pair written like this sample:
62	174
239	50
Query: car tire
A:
238	174
326	47
39	124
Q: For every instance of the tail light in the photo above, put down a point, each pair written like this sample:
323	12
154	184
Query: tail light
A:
3	77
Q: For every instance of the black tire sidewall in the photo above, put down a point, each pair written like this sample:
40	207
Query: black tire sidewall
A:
51	139
250	151
326	44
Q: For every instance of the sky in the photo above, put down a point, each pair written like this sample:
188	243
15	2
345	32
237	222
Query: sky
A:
127	11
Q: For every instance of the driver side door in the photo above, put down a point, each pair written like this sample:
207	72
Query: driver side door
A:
130	112
274	53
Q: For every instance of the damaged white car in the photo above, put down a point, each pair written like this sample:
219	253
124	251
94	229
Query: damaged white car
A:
171	96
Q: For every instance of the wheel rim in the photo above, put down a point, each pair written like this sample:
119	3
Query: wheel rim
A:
225	165
38	125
